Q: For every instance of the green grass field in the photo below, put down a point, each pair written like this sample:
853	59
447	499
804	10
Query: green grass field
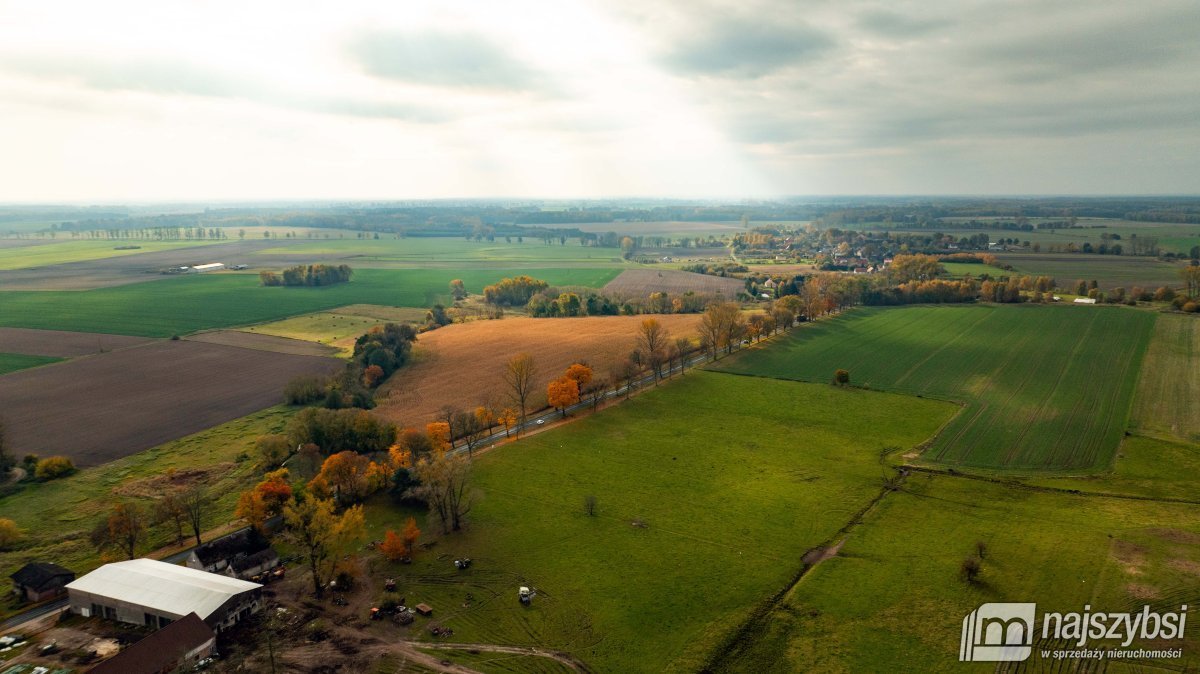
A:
341	326
735	479
80	251
893	598
960	269
11	362
1045	388
190	303
443	252
1167	401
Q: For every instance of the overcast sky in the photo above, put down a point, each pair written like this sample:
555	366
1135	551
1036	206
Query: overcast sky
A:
164	100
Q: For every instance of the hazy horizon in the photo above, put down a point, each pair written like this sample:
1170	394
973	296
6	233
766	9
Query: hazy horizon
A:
169	103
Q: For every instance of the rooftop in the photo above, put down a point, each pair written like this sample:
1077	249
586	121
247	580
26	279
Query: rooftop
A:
166	588
161	650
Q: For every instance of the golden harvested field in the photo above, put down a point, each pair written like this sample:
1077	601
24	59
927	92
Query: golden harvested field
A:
1167	401
463	364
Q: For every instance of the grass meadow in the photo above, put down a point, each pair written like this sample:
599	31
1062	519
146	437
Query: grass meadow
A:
190	303
893	597
1167	402
710	491
11	362
341	326
1043	388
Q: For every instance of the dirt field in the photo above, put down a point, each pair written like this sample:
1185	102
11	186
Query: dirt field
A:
463	364
247	340
119	403
115	271
62	344
642	282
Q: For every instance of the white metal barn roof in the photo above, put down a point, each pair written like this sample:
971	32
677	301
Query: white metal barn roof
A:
168	588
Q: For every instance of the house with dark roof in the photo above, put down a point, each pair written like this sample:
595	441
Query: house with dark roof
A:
177	646
242	554
40	581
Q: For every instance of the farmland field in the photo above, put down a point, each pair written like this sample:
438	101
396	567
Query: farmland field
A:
893	596
1110	271
667	228
339	327
249	340
733	478
1044	388
111	405
62	344
136	266
959	269
462	364
1167	401
63	252
186	304
452	253
11	362
642	282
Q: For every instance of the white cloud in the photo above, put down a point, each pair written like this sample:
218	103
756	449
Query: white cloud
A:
138	100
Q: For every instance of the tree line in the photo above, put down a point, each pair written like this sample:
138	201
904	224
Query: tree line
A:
308	275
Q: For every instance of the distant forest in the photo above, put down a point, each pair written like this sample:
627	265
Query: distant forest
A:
553	220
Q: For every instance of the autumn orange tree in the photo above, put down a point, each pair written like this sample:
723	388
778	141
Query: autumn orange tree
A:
393	546
122	531
348	477
265	500
562	393
410	535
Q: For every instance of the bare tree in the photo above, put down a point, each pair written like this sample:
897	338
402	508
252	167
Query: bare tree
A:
169	509
589	505
519	374
444	480
195	502
123	530
652	342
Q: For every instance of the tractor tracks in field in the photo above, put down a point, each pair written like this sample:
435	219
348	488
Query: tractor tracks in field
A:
1019	484
760	616
758	620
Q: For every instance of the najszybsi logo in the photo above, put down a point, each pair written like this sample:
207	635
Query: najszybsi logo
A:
997	633
1003	632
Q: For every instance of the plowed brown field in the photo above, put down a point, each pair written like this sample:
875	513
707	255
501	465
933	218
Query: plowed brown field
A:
463	364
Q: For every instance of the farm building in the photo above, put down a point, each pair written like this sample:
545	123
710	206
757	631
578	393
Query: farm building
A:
1085	300
242	554
149	592
40	580
178	646
211	266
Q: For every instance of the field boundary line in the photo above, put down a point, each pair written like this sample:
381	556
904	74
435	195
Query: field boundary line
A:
1019	484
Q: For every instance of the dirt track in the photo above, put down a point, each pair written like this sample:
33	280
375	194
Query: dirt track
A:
62	344
110	405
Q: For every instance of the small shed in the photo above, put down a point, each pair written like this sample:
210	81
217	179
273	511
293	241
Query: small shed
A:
39	581
424	609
